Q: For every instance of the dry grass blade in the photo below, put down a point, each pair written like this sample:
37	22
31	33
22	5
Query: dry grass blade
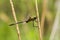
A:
14	15
43	15
56	21
37	14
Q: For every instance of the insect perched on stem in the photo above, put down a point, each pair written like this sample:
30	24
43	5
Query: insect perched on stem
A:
28	20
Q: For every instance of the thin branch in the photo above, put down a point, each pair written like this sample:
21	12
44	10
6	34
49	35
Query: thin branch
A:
43	15
14	15
37	14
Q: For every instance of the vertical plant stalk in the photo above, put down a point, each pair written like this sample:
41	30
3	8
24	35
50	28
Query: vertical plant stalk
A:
38	21
14	15
43	15
56	21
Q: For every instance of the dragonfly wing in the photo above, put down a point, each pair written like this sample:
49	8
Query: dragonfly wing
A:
27	16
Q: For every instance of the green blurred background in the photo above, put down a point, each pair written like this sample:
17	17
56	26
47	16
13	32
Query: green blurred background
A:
23	7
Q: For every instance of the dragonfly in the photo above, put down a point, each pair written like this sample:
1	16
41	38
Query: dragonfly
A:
26	21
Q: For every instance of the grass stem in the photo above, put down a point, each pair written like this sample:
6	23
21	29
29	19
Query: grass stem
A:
38	21
14	15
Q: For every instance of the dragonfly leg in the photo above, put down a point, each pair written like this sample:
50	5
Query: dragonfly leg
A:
34	25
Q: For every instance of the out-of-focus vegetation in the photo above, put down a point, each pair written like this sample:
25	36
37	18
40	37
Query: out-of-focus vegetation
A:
23	7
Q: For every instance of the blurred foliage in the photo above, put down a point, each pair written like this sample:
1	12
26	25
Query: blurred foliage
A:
23	7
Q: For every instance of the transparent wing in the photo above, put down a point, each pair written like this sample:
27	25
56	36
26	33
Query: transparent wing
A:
27	16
